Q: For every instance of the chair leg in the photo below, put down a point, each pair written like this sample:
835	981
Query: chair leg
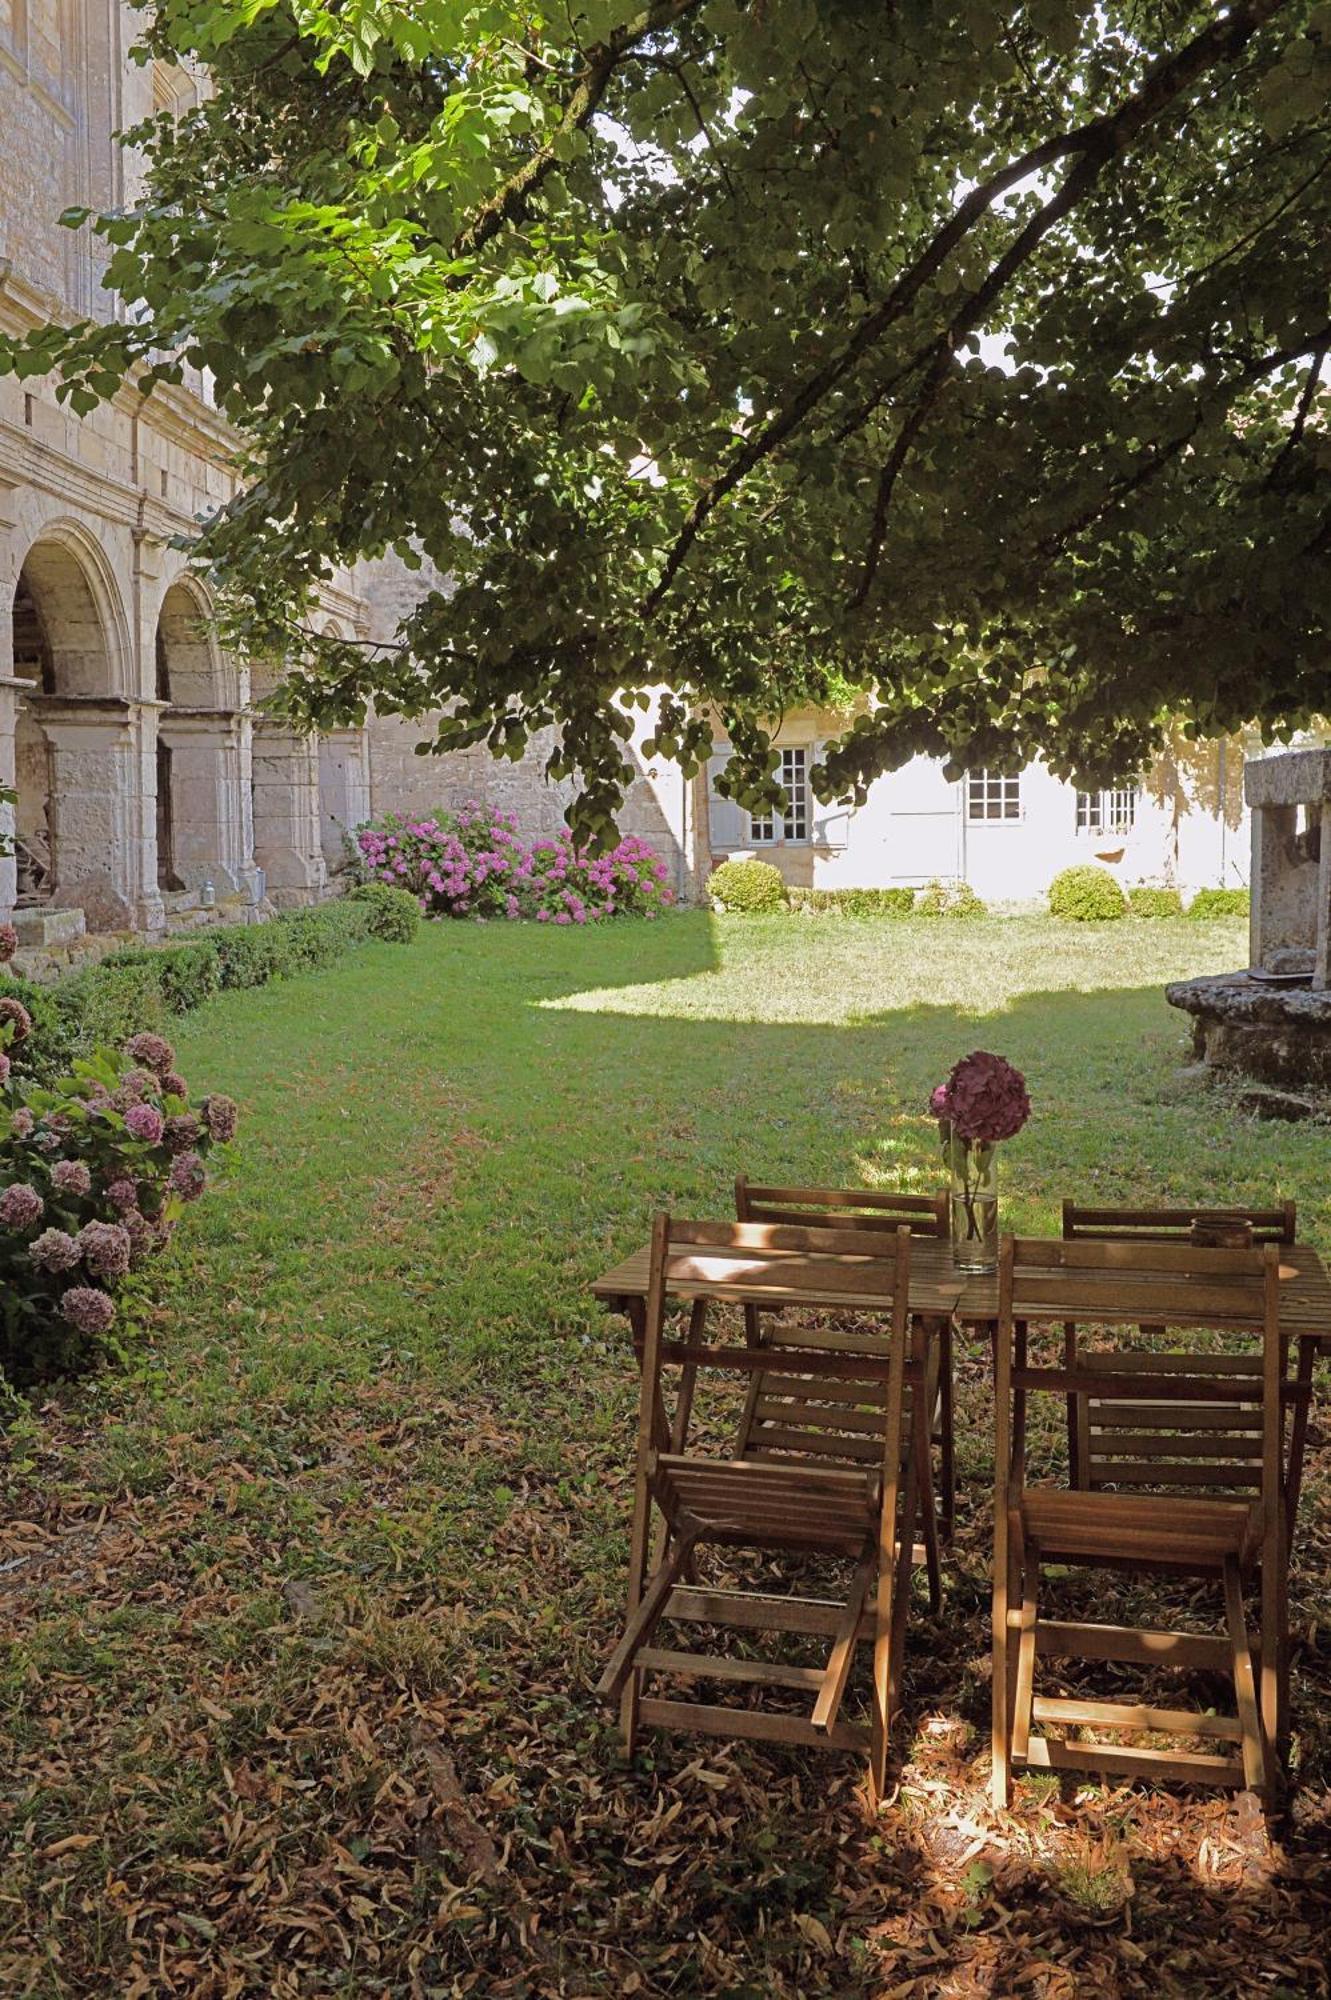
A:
947	1449
1005	1592
896	1555
753	1336
1255	1748
928	1510
1076	1471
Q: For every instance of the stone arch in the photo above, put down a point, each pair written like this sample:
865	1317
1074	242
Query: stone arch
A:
192	671
70	606
74	751
201	792
344	781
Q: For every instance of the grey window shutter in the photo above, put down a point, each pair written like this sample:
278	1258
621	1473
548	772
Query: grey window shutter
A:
729	822
831	823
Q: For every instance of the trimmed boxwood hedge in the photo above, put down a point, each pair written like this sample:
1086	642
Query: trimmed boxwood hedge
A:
1086	895
747	886
1208	903
1148	902
143	985
854	902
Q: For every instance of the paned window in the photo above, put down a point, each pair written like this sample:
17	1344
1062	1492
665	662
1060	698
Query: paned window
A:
1111	811
793	823
991	795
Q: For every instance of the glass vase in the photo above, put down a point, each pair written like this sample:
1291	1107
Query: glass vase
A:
973	1208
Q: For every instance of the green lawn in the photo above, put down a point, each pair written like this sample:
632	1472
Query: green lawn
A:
304	1608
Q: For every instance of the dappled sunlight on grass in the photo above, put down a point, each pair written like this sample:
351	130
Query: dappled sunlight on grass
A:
845	972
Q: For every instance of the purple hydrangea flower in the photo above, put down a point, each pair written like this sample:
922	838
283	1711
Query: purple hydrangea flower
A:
153	1051
21	1206
90	1311
221	1115
122	1195
188	1176
105	1249
985	1098
174	1085
141	1233
182	1132
22	1123
5	1067
55	1250
71	1177
8	943
144	1121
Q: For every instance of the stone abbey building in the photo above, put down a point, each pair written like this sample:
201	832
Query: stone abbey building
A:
150	781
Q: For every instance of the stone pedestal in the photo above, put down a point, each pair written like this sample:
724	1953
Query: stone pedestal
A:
1290	796
1272	1022
344	791
288	842
211	838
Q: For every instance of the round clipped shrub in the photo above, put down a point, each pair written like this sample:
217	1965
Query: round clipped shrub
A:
949	899
1086	895
747	886
395	914
1148	902
1209	903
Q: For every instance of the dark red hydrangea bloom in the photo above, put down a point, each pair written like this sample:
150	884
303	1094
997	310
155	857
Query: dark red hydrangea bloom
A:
18	1017
985	1098
8	943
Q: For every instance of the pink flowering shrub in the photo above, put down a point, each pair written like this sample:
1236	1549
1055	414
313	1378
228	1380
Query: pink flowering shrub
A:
95	1171
473	863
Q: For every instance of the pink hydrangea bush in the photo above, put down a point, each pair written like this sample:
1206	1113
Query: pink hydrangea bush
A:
473	863
95	1171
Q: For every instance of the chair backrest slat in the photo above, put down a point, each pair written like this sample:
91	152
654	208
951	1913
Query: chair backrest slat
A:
865	1209
812	1239
1269	1225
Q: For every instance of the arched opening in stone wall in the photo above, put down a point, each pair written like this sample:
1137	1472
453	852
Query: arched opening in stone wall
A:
200	822
72	763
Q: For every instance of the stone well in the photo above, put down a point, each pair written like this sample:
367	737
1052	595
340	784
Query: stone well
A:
1272	1020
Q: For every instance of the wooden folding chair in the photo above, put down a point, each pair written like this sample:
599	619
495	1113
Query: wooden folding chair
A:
1190	1533
779	1420
856	1512
1107	1442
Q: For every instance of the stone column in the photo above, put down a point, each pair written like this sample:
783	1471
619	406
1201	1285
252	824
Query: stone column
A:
11	691
211	814
103	835
1322	947
1273	831
344	791
287	835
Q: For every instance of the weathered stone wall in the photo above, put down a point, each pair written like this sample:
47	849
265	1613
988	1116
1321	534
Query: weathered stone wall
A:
128	732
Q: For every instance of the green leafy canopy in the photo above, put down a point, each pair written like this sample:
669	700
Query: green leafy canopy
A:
960	356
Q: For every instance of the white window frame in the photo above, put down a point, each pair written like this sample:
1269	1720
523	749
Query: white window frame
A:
1000	788
1110	811
791	827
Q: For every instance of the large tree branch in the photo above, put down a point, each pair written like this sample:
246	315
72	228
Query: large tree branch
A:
1094	144
1300	422
509	203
